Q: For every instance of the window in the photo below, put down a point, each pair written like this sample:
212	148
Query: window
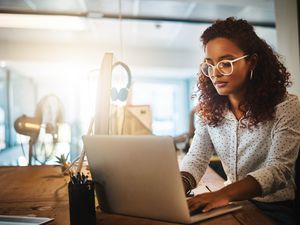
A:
169	103
2	129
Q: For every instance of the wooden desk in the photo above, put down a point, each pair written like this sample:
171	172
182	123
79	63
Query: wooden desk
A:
42	191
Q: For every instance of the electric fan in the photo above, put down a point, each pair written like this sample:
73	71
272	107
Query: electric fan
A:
42	128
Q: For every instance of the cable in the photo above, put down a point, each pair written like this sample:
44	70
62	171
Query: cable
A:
123	121
121	29
80	158
23	151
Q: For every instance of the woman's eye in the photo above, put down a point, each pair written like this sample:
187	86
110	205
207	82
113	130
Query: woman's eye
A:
224	64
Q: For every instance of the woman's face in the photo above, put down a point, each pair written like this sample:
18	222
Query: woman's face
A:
219	49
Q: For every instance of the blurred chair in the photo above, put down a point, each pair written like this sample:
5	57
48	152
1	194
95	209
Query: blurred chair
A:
183	141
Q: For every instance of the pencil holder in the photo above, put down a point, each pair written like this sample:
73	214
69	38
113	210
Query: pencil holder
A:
82	203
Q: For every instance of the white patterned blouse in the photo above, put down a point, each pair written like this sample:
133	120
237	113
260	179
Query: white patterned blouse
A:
266	152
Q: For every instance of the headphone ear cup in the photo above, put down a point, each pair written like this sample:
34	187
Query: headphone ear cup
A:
114	94
123	93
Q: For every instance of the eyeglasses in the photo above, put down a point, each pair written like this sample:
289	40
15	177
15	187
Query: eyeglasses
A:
225	67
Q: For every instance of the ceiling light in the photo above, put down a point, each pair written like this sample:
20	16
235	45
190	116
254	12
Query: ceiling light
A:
41	22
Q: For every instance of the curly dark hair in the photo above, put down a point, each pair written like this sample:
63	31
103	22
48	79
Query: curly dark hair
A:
264	91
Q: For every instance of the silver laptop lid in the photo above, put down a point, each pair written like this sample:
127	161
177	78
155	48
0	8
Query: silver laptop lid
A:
140	175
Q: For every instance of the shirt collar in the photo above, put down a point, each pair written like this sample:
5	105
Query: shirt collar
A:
228	114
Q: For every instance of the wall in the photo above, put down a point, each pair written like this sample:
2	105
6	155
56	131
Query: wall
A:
288	39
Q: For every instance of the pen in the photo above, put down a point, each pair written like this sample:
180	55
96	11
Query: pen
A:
74	180
79	178
207	188
85	179
71	178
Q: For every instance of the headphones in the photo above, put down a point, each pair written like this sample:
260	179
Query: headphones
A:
123	92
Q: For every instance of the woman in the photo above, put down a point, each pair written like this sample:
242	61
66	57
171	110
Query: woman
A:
247	117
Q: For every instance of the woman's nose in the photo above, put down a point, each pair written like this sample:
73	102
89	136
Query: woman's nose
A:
217	73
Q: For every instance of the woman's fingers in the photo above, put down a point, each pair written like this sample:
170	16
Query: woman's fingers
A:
208	207
206	202
196	203
215	204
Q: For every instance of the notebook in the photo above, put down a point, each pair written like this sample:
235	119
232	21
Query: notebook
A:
23	220
139	176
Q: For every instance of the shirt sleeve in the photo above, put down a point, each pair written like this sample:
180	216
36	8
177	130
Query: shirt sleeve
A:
278	168
196	160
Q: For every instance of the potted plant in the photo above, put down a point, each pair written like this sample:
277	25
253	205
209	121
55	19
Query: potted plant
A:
63	161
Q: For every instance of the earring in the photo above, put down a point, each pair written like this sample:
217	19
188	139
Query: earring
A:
251	74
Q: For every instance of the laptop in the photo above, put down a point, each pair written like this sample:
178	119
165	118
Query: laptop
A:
139	176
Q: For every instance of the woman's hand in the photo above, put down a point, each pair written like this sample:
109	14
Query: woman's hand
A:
207	201
244	189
